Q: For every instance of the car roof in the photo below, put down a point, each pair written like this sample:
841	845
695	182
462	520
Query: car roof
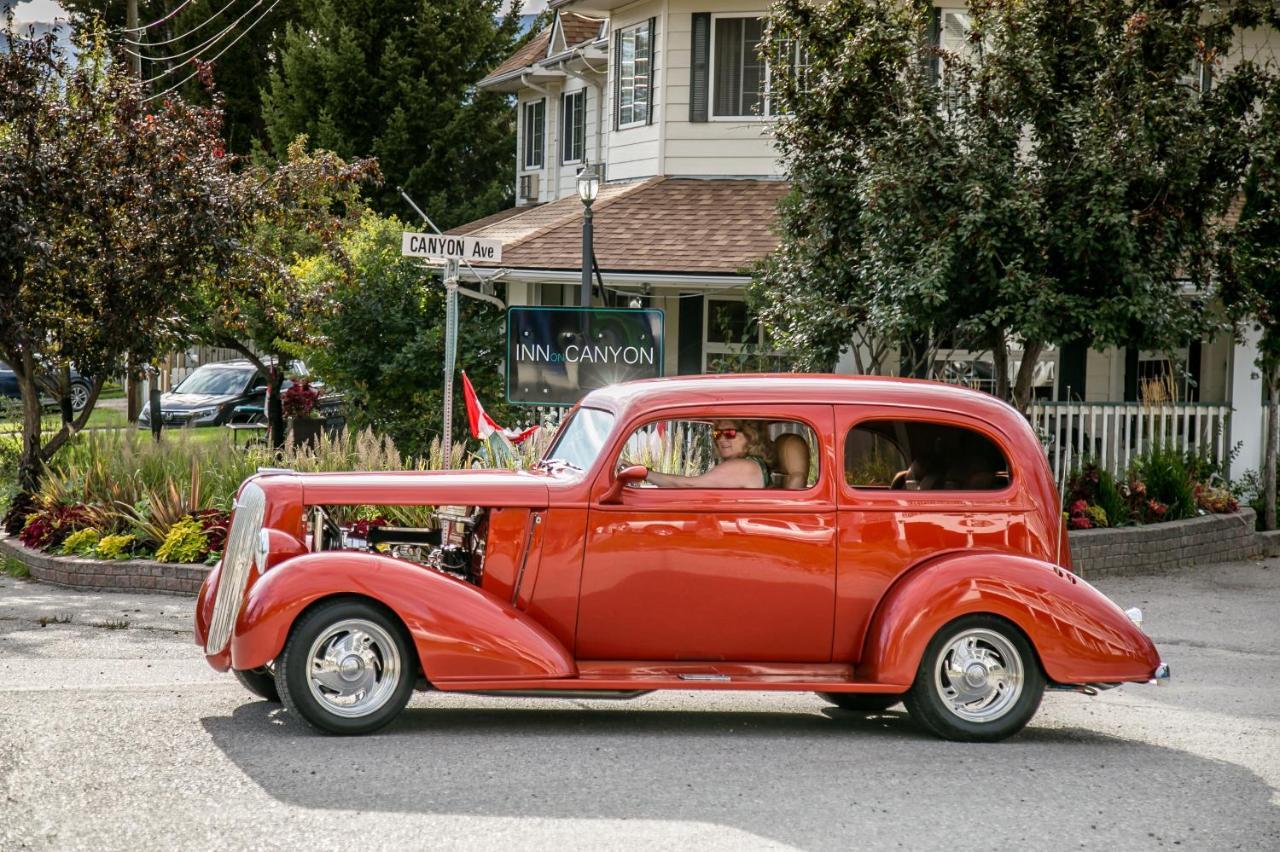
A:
799	388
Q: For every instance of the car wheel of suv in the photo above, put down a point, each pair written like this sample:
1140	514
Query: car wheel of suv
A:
346	668
861	702
979	681
79	396
261	682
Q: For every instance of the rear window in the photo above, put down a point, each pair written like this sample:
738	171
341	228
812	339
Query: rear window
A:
911	455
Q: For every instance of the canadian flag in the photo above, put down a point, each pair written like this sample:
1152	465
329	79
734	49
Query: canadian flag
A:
482	425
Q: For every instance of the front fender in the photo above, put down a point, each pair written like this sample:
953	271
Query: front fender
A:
461	632
1078	633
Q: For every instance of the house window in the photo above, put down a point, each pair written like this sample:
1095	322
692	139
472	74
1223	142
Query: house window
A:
734	342
535	114
741	77
574	127
635	74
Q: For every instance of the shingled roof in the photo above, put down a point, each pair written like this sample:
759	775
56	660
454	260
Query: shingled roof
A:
576	28
661	225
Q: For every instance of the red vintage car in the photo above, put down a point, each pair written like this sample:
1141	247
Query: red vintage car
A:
870	540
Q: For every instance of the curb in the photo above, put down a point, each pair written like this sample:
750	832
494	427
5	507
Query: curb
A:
1159	548
126	575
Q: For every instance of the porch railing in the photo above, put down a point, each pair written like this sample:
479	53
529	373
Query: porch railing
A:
1112	434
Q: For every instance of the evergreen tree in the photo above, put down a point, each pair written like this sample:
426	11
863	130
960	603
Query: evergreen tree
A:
396	79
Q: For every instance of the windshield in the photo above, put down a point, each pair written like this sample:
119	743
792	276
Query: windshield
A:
215	381
580	441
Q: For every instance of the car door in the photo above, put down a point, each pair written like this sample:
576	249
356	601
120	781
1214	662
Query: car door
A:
917	483
710	573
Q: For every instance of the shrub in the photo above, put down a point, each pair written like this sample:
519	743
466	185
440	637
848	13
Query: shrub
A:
184	543
1211	498
1105	499
1160	487
47	528
115	547
81	543
300	399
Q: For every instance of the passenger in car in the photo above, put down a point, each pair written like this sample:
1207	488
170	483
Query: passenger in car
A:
743	460
792	466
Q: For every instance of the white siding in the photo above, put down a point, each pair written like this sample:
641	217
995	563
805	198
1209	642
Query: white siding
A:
635	151
545	188
569	172
709	148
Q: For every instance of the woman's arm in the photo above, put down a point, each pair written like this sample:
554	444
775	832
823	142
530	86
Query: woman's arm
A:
735	473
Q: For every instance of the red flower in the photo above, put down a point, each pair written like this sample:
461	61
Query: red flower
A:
1079	506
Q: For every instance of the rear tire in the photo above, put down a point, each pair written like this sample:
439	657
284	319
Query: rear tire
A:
861	702
261	682
347	667
979	681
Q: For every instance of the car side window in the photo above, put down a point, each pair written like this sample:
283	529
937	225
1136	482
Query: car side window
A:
915	455
769	453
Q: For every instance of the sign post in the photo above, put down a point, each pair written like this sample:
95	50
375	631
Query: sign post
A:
451	250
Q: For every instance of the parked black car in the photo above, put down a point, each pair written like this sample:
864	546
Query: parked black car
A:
79	388
210	395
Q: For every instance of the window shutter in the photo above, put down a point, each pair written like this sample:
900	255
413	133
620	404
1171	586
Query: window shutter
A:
617	76
653	24
698	72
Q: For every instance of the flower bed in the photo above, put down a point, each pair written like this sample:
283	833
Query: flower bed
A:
1158	548
128	575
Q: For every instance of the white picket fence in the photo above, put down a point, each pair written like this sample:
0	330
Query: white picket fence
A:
1113	433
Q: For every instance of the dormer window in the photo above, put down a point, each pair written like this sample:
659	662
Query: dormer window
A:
535	116
633	75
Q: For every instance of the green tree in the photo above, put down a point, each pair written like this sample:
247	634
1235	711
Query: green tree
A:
251	302
109	209
1251	272
1055	178
380	338
245	29
396	79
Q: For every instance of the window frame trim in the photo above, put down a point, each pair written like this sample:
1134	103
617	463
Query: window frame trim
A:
710	347
646	24
568	137
766	96
525	108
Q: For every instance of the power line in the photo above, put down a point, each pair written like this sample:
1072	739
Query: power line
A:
158	21
246	31
183	35
209	43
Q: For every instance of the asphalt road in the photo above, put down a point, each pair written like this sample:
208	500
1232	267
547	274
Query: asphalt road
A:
120	737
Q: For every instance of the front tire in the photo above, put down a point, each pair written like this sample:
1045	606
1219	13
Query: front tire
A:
979	681
346	668
861	702
261	682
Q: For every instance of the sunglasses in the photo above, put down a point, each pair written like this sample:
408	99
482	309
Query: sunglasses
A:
717	434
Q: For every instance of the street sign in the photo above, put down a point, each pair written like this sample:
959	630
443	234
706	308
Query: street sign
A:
437	247
556	355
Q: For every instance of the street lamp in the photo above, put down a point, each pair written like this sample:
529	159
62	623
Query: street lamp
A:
588	189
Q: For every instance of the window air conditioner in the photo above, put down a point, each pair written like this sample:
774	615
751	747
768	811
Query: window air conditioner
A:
529	187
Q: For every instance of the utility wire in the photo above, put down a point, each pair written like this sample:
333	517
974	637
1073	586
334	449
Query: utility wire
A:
158	21
182	35
246	31
209	43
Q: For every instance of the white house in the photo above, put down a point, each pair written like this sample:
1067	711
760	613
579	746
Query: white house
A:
670	100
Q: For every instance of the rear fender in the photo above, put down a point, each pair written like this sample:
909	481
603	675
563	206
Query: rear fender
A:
461	632
1078	633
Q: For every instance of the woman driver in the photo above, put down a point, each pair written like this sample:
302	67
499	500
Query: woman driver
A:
742	464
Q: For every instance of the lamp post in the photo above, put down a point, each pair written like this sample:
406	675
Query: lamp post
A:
588	189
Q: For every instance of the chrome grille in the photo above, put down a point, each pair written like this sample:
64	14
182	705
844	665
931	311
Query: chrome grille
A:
250	510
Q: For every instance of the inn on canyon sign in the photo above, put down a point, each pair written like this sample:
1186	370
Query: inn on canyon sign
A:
556	355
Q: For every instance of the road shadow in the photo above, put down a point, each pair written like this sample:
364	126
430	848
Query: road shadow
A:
817	780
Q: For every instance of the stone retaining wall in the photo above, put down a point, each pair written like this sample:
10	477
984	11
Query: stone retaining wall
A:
1162	547
129	575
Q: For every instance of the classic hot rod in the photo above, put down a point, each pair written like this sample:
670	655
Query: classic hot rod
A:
870	540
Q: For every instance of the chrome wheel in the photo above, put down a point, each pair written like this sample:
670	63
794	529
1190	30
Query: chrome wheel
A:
353	668
79	397
979	675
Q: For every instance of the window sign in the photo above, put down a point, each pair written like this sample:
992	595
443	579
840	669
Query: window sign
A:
556	355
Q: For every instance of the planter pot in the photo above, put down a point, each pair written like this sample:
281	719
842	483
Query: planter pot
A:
306	430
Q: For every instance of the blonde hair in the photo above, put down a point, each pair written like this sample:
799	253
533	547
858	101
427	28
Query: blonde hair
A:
757	444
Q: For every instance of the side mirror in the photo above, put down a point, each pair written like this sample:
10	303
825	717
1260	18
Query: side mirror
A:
624	477
259	389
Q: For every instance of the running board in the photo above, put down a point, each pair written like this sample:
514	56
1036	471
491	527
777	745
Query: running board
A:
591	694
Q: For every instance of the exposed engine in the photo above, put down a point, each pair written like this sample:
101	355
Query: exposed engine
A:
456	546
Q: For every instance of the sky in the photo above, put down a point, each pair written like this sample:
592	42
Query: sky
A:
33	11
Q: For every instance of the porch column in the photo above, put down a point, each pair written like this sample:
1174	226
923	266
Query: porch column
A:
1246	403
